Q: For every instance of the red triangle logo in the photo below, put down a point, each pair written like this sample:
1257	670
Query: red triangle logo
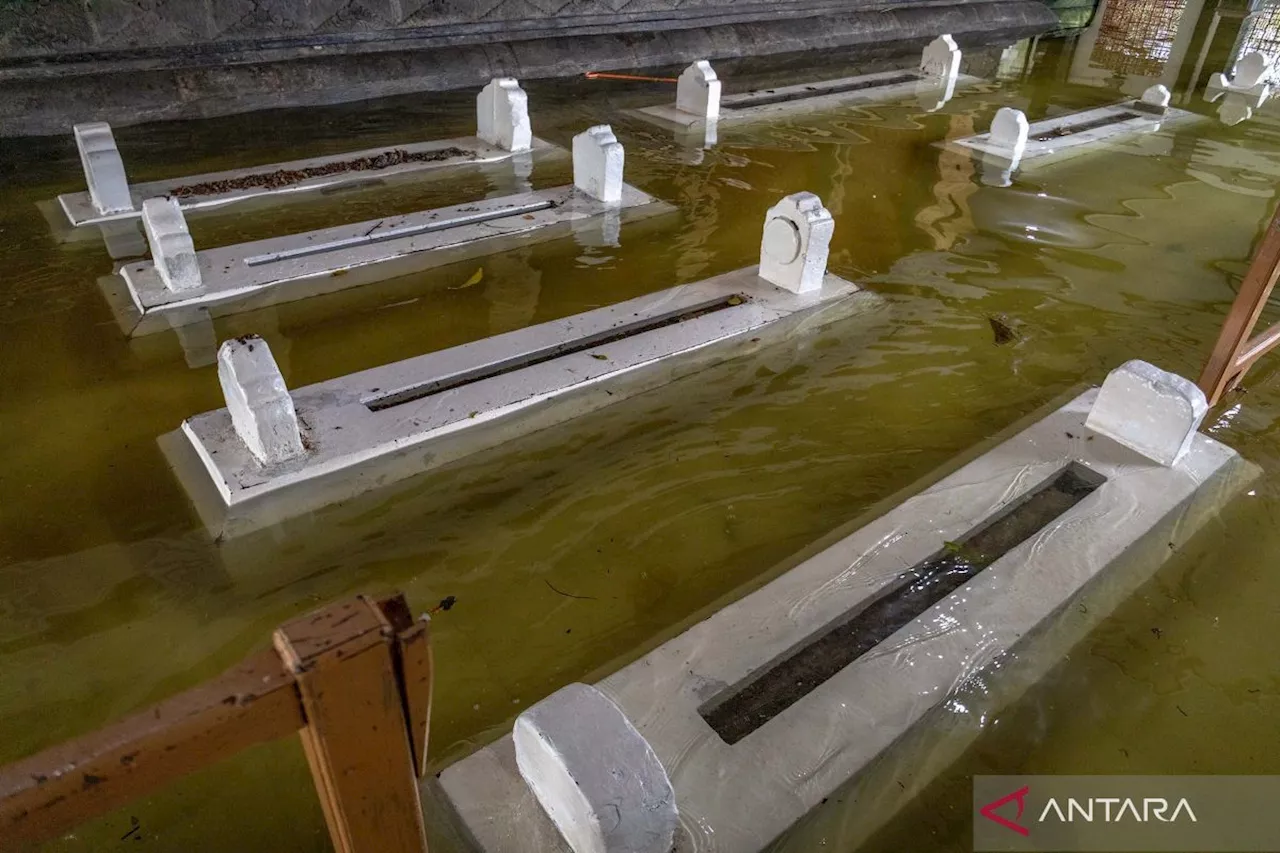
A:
1019	796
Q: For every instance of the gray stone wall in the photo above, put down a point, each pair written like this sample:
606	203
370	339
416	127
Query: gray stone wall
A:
139	60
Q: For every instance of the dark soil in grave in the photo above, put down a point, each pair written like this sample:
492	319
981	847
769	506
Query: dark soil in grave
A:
288	177
771	692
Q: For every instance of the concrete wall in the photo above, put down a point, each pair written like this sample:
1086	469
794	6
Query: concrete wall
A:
139	60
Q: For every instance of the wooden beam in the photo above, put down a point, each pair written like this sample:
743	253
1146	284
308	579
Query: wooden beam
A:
47	794
356	737
1224	368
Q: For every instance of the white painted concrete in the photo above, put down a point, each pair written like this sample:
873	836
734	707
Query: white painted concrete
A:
796	243
698	91
1052	140
103	169
596	777
1149	410
941	58
502	115
172	252
1157	96
763	104
598	161
80	209
247	276
258	402
963	659
360	443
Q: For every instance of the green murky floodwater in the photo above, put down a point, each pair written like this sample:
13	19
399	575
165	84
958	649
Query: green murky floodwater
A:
573	550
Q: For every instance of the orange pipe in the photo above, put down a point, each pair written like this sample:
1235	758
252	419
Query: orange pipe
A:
601	75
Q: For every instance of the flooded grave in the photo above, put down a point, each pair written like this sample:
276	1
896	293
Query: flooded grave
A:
1013	142
503	131
273	453
226	280
765	709
699	98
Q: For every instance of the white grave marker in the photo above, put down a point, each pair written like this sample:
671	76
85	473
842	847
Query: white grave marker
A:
103	168
258	400
597	164
596	777
502	115
796	242
171	247
1156	96
1149	410
941	59
698	91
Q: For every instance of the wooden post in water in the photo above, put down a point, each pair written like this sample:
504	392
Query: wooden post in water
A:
353	679
1235	351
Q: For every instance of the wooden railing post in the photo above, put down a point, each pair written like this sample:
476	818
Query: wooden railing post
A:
356	736
1235	352
353	679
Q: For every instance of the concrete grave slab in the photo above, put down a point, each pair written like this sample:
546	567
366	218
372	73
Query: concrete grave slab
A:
388	423
1014	143
866	646
503	133
699	99
247	276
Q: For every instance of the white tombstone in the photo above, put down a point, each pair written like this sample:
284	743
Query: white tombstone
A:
1157	96
796	243
1248	79
1009	130
261	409
941	59
1149	410
597	164
502	115
698	91
103	168
596	777
171	247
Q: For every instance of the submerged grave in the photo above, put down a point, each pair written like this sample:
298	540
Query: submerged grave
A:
181	286
756	714
273	453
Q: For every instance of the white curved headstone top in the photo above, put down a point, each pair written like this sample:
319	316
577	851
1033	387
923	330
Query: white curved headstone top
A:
796	243
595	775
258	400
103	168
941	58
1149	410
171	247
598	161
502	115
698	91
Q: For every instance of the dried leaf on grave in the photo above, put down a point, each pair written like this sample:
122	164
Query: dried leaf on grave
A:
1004	333
599	356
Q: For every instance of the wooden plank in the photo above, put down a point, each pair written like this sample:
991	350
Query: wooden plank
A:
47	794
1258	346
356	738
1221	372
414	670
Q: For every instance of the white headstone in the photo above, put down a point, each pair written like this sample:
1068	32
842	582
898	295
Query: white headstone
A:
597	164
698	91
261	409
502	115
1251	69
103	168
1149	410
1216	87
941	59
1009	130
171	247
596	777
796	242
1156	96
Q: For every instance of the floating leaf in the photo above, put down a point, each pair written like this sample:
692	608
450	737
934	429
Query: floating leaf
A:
474	280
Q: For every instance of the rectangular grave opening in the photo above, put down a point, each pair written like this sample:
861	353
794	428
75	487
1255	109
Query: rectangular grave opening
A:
529	359
745	707
817	90
1081	127
381	235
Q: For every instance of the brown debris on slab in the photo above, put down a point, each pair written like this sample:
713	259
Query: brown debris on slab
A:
288	177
